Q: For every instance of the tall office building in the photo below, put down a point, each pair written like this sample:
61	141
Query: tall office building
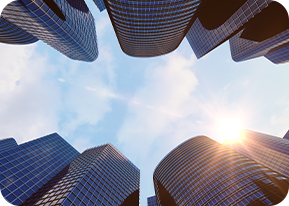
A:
66	25
151	28
220	20
27	167
7	144
152	201
268	150
12	34
98	176
201	171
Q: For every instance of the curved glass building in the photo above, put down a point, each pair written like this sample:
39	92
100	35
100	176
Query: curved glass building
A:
268	150
66	25
12	34
201	171
151	28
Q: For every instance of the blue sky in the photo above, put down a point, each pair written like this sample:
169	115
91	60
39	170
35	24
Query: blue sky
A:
143	106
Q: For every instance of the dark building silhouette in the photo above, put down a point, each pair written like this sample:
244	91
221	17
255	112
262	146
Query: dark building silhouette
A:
152	201
267	35
254	27
220	20
201	171
51	172
268	150
66	25
151	28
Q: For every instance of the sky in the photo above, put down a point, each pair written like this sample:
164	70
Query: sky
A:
143	106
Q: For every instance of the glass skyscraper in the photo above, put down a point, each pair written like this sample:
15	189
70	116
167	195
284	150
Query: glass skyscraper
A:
66	25
12	34
201	171
151	28
266	35
268	150
218	21
152	201
48	171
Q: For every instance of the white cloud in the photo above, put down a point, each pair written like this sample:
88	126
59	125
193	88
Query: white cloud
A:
28	100
164	99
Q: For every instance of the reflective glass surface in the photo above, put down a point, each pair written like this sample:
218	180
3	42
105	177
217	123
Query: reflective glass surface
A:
65	25
151	28
27	167
268	150
152	201
99	176
203	41
12	34
201	171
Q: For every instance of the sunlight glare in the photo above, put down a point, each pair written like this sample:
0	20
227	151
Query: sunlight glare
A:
230	129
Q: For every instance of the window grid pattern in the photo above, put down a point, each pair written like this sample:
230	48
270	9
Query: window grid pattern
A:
99	176
152	201
203	41
7	144
100	5
26	168
12	34
74	36
201	171
151	28
243	49
268	150
286	136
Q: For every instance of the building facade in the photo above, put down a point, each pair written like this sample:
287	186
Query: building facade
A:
266	35
152	201
201	171
219	21
151	28
7	144
27	167
12	34
66	25
268	150
58	175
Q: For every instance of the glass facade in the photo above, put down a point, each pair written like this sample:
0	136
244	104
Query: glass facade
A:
268	150
49	171
100	5
151	28
286	136
152	201
201	171
99	176
203	40
27	167
12	34
66	25
7	144
274	47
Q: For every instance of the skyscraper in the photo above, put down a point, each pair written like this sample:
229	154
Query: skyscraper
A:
66	25
12	34
7	144
218	21
267	35
151	28
98	176
152	201
201	171
268	150
27	167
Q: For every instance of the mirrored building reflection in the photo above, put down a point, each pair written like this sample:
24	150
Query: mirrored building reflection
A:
66	25
201	171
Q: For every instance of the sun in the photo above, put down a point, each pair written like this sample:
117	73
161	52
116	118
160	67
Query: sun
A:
229	129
